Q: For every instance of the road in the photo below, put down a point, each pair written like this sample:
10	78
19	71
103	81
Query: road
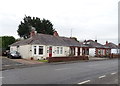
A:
93	72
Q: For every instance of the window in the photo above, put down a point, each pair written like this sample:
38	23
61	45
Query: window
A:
40	50
34	49
87	51
107	52
61	50
57	50
47	49
99	52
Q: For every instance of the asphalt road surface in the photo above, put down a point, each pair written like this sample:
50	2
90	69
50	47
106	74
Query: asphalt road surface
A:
93	72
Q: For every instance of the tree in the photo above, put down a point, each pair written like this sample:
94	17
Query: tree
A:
42	26
74	38
5	41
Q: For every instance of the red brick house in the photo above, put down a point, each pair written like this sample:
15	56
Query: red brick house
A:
97	49
114	47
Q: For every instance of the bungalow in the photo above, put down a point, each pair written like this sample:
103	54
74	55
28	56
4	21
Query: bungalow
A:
40	46
114	47
84	49
97	49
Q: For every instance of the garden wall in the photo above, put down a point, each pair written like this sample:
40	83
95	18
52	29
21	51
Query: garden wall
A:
62	59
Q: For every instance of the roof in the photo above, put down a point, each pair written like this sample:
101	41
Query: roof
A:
112	45
45	39
83	45
119	45
93	44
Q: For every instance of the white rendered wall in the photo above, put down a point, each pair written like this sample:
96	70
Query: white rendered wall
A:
92	51
65	51
114	51
13	48
25	51
80	51
76	51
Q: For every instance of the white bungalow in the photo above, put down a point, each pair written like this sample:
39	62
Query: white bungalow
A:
40	46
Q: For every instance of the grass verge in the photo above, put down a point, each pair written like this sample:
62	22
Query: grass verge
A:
43	60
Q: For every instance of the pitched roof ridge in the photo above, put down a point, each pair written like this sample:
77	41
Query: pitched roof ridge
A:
53	35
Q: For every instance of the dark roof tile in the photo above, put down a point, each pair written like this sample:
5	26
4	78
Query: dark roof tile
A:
48	40
112	45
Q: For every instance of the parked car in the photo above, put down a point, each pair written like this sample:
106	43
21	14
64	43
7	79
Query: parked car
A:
4	53
14	54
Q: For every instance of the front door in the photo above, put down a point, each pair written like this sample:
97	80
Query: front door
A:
50	51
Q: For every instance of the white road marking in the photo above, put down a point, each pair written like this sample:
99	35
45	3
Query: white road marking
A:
84	82
102	76
113	73
62	68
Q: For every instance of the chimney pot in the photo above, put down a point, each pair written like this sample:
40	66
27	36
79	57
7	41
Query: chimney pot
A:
106	42
55	33
33	32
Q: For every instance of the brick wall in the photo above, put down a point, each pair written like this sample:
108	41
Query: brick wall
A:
115	56
61	59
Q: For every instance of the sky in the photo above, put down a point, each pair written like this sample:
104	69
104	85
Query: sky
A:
83	19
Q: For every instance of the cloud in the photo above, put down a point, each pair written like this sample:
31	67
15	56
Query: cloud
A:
86	18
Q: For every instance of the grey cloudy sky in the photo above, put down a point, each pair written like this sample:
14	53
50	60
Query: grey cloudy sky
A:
88	19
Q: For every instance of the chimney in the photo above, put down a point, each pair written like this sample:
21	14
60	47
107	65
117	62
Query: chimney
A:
106	42
95	40
55	33
33	32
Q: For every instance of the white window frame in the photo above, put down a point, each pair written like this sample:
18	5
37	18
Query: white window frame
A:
61	50
58	50
39	50
35	48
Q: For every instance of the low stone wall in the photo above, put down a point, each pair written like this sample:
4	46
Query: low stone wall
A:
62	59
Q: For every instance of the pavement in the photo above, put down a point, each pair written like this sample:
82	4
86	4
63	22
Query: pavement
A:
91	72
97	58
23	63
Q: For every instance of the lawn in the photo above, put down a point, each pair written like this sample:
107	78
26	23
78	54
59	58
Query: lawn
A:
43	60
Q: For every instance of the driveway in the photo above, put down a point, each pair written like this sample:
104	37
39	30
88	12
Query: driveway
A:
17	63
